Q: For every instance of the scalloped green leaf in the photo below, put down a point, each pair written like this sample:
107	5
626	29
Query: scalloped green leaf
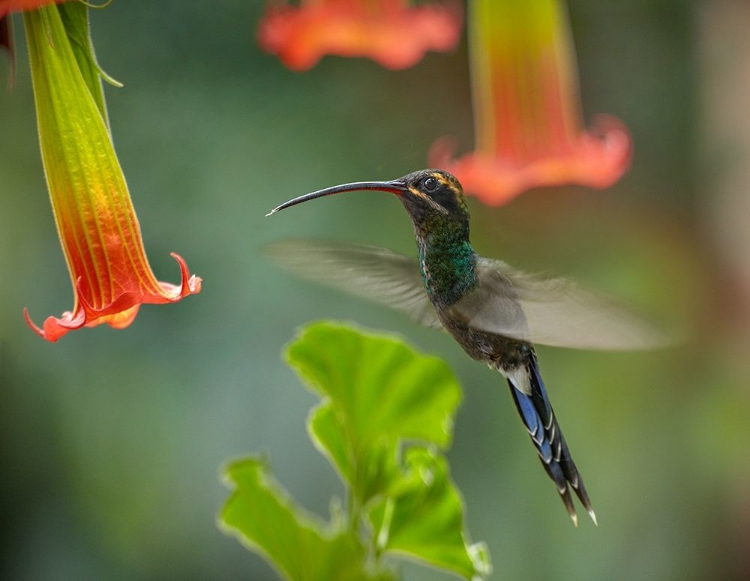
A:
377	391
421	516
297	544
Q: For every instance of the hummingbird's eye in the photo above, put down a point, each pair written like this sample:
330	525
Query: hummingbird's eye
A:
430	184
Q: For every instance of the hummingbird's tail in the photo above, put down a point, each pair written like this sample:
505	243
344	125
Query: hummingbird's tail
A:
533	405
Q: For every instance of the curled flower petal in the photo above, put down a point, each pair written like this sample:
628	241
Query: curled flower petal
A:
120	313
96	221
389	32
528	126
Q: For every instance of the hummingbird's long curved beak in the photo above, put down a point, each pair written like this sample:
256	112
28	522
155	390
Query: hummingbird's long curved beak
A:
396	187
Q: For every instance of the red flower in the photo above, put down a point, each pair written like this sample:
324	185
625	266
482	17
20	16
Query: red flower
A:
95	218
528	122
390	32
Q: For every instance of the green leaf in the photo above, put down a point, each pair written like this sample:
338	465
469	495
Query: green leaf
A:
299	545
376	392
421	516
329	437
368	472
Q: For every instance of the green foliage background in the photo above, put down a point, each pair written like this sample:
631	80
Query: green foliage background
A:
111	442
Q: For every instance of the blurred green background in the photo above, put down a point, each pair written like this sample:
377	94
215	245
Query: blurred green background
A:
111	442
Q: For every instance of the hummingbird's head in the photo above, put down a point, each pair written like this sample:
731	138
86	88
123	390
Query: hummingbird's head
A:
429	195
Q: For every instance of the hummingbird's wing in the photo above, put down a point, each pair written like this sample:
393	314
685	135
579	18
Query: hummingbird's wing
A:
551	312
377	274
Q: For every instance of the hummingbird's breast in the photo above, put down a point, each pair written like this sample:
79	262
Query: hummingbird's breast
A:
448	268
449	271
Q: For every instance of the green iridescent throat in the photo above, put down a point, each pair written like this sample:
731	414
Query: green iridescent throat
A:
446	259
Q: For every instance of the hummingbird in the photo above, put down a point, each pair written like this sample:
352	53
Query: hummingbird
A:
495	312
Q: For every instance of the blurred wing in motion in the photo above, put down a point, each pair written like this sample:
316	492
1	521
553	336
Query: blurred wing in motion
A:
376	274
505	301
552	311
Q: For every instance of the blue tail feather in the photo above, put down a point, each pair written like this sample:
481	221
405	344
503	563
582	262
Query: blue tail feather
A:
538	417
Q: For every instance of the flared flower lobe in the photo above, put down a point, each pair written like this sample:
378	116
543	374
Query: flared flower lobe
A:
118	313
528	122
390	32
596	159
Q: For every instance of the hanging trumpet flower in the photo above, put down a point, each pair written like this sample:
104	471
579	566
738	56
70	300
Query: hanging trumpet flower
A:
95	218
528	122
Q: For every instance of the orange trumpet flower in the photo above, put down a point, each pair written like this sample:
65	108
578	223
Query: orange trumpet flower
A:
391	32
528	121
95	218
